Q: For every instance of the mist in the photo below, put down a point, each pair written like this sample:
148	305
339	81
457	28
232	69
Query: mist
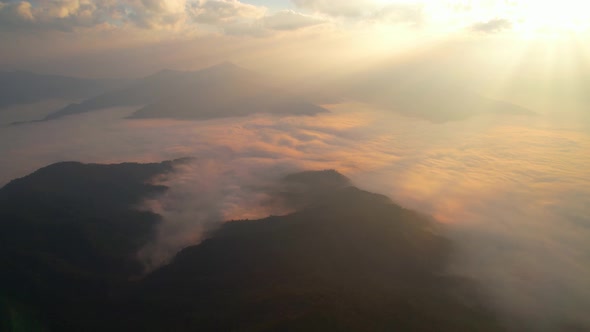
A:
472	112
510	191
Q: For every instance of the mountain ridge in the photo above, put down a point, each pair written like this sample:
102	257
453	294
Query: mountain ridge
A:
347	260
223	90
24	87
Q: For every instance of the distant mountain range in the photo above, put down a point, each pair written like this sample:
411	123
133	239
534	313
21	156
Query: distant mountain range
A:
414	89
347	260
22	87
419	89
224	90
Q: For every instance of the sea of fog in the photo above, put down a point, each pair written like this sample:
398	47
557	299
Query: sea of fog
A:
512	192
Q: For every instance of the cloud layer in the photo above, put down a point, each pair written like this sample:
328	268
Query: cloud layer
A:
508	191
226	15
74	15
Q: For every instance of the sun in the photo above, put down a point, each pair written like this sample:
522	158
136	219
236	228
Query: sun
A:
565	16
526	16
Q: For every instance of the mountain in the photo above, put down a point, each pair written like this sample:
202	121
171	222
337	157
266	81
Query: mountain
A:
422	88
21	87
69	232
348	260
436	101
223	90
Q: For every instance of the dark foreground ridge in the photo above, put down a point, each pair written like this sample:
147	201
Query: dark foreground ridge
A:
348	260
69	233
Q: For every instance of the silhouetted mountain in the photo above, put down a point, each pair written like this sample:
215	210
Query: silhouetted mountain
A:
69	232
220	91
21	87
349	260
299	190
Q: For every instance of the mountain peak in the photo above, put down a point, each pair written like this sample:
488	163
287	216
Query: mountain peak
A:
328	178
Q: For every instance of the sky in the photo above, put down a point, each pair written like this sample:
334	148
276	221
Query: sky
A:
41	31
506	49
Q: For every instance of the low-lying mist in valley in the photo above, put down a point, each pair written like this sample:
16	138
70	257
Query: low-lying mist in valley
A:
470	116
510	191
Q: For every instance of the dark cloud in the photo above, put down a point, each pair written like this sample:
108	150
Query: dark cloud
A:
63	15
14	15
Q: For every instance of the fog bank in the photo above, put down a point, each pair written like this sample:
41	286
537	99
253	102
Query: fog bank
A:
511	192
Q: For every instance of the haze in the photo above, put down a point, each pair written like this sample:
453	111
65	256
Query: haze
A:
473	112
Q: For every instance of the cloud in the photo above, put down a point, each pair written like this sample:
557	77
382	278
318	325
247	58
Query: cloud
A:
216	187
235	18
394	12
231	17
157	14
492	26
507	190
345	8
401	13
62	15
68	15
222	12
290	20
15	14
239	19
